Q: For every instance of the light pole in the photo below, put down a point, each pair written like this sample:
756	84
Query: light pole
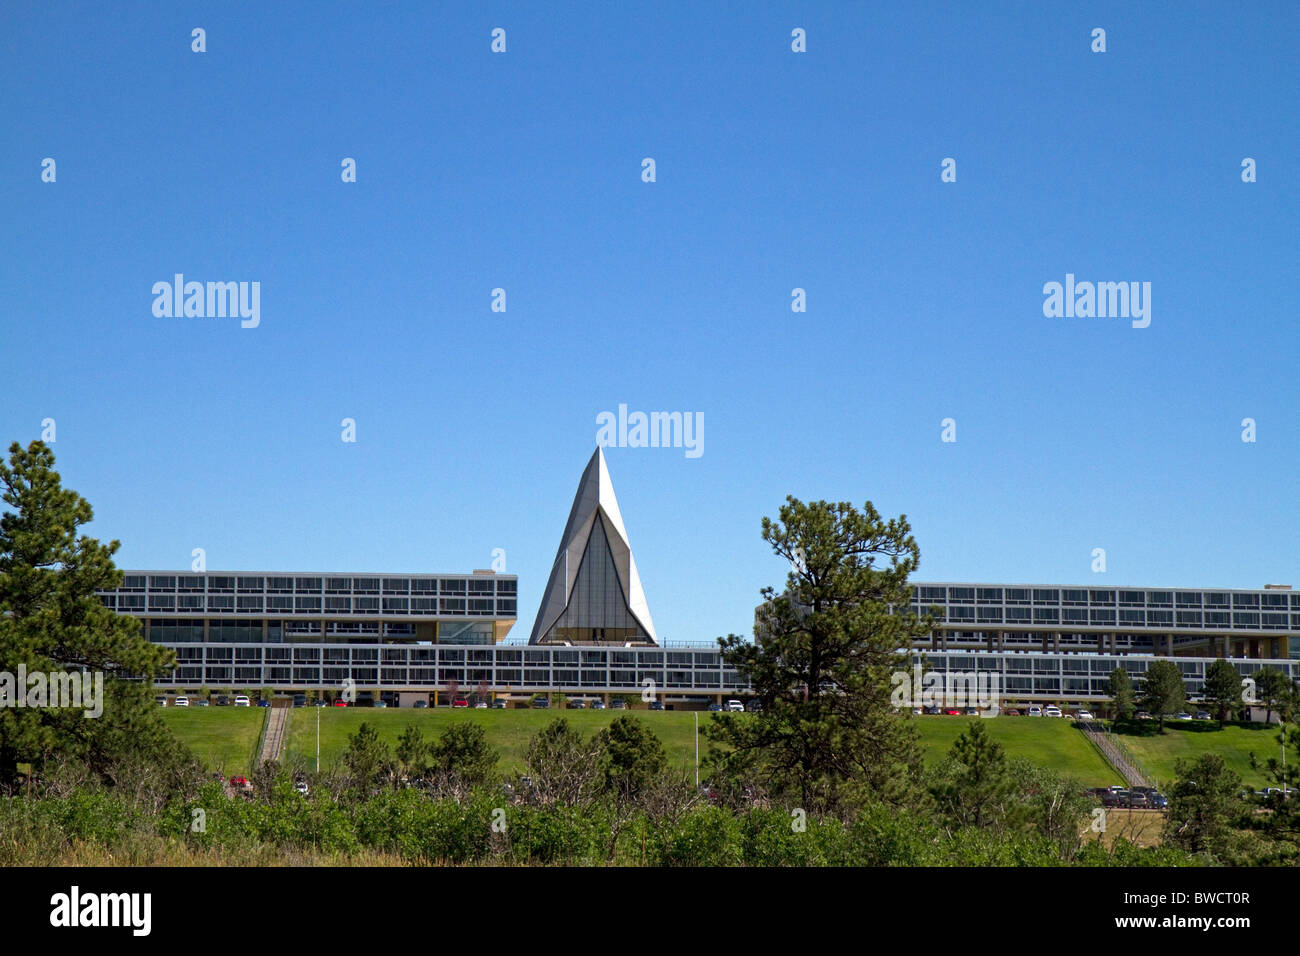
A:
697	750
317	740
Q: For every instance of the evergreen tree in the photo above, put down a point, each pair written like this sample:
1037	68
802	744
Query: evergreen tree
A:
1162	690
1121	692
52	622
822	658
1222	688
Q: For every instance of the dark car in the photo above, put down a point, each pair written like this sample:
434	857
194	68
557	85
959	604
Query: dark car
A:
542	703
223	701
300	700
263	703
715	706
656	705
420	704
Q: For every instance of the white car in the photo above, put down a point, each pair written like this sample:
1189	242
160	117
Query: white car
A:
181	702
735	705
242	701
1083	715
1034	711
1051	710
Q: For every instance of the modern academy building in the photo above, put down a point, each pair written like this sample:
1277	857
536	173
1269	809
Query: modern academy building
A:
416	635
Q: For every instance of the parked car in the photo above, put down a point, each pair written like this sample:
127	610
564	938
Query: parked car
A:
618	703
1153	797
972	711
1084	715
300	700
715	706
735	706
1051	710
481	705
1012	712
420	704
340	702
754	706
381	703
223	700
542	703
951	712
160	701
933	709
576	704
656	705
499	704
460	702
201	702
597	705
1203	715
1142	715
241	700
1183	715
181	702
263	703
1035	711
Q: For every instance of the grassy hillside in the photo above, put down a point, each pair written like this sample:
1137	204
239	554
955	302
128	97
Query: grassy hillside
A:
507	730
223	737
226	736
1047	742
1190	739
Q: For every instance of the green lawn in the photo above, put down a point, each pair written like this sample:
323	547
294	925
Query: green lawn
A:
1190	739
1047	742
224	738
507	730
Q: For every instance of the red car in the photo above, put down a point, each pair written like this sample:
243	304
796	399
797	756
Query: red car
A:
340	702
460	702
953	712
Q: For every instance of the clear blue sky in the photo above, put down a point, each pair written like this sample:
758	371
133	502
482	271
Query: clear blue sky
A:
775	170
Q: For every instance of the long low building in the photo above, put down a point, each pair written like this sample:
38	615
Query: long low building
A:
412	635
425	634
1194	622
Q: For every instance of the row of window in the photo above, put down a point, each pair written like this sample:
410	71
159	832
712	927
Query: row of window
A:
273	604
441	677
287	584
926	594
1279	621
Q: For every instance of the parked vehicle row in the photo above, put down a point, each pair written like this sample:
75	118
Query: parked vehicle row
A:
460	701
1132	798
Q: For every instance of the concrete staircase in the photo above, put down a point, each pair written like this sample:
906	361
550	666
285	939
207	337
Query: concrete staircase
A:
273	739
1116	755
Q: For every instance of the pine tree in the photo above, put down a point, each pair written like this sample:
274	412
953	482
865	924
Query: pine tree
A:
52	622
821	662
